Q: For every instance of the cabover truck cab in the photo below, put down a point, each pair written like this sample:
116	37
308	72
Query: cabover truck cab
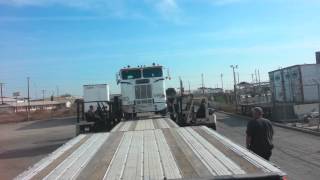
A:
142	89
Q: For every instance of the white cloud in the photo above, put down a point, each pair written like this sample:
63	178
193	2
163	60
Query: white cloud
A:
102	7
166	9
226	2
169	10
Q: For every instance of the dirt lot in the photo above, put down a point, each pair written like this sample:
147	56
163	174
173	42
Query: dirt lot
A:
23	144
36	115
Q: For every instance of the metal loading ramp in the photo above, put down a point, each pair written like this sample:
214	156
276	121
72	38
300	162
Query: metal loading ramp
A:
176	153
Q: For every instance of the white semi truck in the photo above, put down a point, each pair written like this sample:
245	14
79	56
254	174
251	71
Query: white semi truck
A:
142	89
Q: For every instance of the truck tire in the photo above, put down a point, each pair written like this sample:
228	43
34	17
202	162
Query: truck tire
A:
163	112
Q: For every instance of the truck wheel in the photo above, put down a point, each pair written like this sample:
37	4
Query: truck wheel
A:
214	127
77	130
163	112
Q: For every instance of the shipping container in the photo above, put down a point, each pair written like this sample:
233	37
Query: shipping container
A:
296	84
310	78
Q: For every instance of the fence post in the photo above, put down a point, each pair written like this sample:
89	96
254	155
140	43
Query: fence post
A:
318	85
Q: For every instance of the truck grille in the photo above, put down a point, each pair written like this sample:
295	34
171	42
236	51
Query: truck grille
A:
144	101
143	91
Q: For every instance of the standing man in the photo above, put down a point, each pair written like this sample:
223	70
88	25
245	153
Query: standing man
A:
260	134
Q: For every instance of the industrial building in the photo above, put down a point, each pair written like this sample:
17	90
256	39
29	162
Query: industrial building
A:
12	105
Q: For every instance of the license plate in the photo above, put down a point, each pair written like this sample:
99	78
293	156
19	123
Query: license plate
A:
86	129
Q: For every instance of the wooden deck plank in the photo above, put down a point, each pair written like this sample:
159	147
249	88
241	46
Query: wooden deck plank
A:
126	125
254	159
221	157
243	163
133	126
211	162
171	123
134	165
155	124
152	164
45	166
186	169
98	166
198	166
59	170
118	127
140	125
149	124
77	166
118	162
171	170
162	123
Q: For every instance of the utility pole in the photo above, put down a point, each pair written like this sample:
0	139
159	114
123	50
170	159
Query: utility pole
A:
1	86
57	89
235	85
202	83
221	76
252	76
255	72
189	87
181	87
28	108
318	87
260	81
238	78
259	76
43	91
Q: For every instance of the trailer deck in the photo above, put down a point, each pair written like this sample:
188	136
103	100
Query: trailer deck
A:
138	125
152	152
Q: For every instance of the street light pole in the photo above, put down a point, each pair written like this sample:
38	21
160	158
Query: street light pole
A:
202	84
43	91
28	108
1	85
221	81
318	87
235	85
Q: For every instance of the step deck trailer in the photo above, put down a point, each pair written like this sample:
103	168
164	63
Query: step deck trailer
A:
152	149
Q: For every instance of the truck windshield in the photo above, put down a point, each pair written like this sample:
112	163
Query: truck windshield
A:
152	72
131	74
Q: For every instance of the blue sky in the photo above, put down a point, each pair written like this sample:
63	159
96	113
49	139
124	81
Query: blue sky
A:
75	42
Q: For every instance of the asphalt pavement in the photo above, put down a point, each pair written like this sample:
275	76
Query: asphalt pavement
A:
24	144
296	153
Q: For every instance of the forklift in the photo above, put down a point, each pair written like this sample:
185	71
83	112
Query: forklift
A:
105	116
